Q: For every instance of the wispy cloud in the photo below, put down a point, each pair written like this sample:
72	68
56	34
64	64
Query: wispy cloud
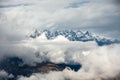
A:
15	5
77	4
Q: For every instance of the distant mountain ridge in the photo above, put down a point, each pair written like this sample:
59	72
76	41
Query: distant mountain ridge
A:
74	35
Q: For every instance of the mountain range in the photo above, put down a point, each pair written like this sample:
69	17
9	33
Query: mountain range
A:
74	35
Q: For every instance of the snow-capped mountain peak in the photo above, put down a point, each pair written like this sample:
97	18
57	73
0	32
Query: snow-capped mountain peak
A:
72	35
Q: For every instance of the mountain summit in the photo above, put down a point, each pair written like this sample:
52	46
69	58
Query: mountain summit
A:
74	36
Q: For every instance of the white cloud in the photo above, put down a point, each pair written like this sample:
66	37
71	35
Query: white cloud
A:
27	50
3	74
101	63
17	22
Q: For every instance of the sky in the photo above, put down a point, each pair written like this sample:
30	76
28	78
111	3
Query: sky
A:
19	18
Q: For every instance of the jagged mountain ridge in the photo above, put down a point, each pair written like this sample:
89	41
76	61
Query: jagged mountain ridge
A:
74	36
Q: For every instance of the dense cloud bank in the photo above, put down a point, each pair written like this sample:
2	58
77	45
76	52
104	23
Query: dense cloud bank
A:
33	51
97	62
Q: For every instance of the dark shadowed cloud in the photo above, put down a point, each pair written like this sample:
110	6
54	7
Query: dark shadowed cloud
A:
117	2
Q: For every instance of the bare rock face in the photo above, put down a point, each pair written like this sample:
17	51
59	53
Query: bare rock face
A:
15	67
47	68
